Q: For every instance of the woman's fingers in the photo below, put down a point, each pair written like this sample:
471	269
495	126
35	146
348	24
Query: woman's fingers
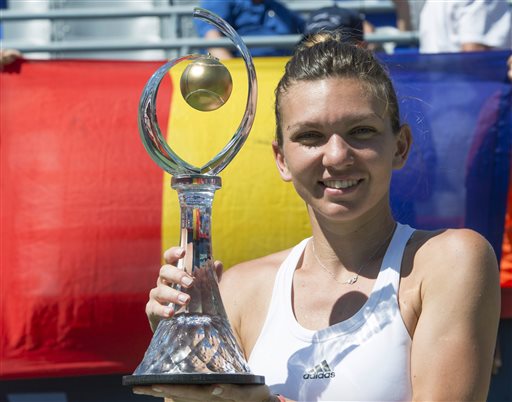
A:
179	392
164	294
219	269
172	255
170	275
248	393
157	310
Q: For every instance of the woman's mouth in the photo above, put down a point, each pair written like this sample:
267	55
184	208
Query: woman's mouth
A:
340	184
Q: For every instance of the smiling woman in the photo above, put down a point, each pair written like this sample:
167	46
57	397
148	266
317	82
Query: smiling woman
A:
303	321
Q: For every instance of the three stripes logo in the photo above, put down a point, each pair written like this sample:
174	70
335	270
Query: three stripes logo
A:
321	370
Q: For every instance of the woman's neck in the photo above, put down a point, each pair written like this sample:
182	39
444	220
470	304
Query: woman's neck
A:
347	245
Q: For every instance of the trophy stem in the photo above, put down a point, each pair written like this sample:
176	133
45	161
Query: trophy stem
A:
196	196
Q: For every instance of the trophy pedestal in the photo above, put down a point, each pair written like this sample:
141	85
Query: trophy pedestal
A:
193	349
194	379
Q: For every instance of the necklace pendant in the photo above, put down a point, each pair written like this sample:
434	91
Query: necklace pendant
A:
352	280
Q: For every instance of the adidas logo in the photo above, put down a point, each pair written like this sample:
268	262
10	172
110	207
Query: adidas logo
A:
321	370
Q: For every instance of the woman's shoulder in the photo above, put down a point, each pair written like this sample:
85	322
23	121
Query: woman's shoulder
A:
256	271
452	254
453	267
449	243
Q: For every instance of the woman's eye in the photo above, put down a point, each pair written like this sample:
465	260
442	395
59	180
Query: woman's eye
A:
308	138
363	132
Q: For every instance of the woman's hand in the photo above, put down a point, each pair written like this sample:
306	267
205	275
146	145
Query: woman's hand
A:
222	392
161	298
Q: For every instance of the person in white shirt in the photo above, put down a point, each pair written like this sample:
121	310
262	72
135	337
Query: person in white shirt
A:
465	25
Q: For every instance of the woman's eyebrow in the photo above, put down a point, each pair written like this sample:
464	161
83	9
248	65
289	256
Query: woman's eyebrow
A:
348	120
302	124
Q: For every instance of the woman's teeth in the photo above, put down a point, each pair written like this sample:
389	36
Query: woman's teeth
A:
340	183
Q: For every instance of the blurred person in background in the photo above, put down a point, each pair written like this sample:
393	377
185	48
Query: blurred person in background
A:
8	56
403	15
400	19
349	22
251	18
466	25
506	259
386	23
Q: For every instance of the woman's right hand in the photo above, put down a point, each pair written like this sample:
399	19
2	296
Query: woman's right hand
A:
163	296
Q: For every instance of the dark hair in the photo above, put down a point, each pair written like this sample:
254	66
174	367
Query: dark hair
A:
327	55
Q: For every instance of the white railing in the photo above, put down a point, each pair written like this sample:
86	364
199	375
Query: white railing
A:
174	42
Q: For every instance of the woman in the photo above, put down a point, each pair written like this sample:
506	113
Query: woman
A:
367	308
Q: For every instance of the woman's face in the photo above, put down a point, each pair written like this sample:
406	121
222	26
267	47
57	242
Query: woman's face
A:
338	147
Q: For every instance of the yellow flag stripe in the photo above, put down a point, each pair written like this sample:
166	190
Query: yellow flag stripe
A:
255	212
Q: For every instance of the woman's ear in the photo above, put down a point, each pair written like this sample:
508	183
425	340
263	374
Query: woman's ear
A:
281	161
403	146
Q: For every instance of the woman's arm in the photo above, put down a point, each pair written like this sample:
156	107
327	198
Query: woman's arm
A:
454	340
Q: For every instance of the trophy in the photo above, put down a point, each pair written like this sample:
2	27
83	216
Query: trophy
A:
196	345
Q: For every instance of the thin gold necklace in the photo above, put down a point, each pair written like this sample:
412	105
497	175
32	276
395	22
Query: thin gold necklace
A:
353	279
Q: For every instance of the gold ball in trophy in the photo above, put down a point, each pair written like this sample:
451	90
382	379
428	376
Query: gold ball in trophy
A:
206	84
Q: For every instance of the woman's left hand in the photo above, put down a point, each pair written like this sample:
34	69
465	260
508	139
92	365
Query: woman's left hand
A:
220	392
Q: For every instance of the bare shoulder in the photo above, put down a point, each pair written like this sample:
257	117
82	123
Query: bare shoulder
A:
452	267
456	268
255	273
462	255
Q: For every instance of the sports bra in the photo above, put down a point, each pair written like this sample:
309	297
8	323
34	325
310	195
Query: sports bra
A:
363	358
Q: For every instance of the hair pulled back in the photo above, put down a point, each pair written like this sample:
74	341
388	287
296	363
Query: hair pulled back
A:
328	55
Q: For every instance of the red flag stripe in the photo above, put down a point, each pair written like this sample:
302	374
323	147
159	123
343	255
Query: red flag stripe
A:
81	206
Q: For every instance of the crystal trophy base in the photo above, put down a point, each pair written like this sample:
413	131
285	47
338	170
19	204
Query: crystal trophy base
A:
203	352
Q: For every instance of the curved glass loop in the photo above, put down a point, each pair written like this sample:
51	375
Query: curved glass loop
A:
150	132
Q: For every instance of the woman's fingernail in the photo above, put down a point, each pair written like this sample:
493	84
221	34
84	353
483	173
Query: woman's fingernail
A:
183	298
136	391
186	280
167	311
156	389
217	391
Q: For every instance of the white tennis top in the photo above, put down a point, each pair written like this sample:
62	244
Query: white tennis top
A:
364	358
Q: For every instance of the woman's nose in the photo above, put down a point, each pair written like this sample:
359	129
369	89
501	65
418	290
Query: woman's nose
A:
337	152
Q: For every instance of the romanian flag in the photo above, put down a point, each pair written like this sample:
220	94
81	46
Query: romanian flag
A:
85	212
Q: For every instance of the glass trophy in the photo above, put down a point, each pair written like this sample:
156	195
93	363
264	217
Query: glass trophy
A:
196	345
